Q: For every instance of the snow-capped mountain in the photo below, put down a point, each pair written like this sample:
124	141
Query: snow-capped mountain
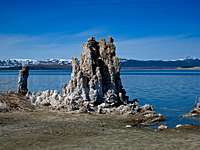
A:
32	62
125	63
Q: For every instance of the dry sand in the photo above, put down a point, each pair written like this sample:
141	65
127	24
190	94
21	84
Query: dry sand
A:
58	131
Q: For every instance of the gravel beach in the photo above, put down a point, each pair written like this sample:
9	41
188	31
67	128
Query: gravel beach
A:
58	130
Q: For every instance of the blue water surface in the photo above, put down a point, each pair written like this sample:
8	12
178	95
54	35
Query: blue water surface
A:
171	92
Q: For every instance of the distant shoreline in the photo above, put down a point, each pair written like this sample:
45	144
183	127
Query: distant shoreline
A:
191	68
126	64
160	68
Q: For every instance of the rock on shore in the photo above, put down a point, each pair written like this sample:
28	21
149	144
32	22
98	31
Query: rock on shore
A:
95	81
96	86
196	110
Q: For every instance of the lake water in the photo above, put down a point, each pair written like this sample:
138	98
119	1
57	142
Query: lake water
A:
172	92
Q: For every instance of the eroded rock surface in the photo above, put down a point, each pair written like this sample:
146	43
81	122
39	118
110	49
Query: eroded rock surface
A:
22	81
96	86
95	80
97	77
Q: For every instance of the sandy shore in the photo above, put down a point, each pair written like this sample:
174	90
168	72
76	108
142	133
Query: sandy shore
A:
53	130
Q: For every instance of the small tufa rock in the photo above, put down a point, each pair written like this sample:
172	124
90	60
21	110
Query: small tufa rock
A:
196	110
162	127
198	103
22	81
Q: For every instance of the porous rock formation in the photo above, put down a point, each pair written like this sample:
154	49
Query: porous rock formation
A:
97	77
95	80
96	86
22	81
12	101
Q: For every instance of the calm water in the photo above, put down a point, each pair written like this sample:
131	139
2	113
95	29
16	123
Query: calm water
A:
172	92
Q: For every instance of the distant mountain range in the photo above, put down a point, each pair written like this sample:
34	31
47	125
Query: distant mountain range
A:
35	64
125	64
161	64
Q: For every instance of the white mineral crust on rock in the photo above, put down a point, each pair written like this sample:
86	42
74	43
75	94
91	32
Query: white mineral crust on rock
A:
97	77
95	85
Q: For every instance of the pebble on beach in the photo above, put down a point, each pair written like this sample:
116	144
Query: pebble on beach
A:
128	126
162	127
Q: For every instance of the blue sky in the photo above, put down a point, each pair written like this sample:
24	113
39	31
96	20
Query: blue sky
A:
143	29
